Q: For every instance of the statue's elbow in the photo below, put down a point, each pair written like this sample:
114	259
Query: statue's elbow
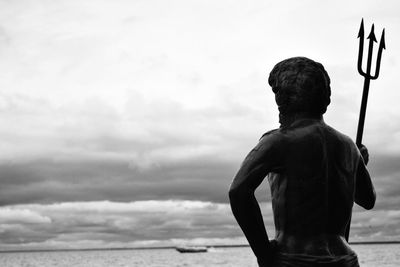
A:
368	203
237	193
233	194
371	203
372	200
369	206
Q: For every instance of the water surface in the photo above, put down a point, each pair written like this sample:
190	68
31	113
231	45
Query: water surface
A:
386	255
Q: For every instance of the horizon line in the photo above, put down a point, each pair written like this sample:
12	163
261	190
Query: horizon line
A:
173	247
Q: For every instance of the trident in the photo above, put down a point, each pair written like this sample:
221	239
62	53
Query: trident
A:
367	79
367	74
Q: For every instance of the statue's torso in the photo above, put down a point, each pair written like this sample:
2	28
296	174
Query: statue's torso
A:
313	188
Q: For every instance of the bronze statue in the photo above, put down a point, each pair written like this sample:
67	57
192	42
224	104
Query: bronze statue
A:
315	174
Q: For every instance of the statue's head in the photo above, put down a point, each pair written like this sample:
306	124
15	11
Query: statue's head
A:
301	85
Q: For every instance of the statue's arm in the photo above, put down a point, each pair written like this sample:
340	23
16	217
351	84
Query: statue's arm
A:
365	193
244	204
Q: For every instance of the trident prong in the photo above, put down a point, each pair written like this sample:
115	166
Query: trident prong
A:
361	47
382	46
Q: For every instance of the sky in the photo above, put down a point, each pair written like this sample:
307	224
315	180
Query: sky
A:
122	123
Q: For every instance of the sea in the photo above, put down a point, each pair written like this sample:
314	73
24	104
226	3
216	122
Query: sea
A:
370	255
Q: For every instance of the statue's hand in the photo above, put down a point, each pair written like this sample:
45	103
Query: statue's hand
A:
364	153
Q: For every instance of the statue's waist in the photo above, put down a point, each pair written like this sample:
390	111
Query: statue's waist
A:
318	244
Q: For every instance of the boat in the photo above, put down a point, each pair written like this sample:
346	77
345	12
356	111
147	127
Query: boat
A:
191	249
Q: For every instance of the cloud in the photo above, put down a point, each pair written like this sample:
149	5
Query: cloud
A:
21	216
95	154
50	181
106	223
151	223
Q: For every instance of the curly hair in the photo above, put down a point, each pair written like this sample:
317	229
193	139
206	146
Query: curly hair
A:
300	85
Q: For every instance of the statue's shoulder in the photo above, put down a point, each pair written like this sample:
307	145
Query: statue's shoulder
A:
270	133
343	137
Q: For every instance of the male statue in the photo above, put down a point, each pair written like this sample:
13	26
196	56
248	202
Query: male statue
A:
315	174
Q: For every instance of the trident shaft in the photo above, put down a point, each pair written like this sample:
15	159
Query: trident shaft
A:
367	78
367	74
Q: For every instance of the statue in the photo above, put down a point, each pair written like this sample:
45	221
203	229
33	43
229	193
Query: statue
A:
315	174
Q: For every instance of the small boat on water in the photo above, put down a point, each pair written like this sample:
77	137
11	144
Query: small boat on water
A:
191	249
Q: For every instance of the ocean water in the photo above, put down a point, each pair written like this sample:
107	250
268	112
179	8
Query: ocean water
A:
387	255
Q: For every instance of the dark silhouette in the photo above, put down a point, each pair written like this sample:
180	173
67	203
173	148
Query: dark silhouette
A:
367	74
315	175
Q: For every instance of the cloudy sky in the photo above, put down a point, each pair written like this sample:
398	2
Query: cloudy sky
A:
122	123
